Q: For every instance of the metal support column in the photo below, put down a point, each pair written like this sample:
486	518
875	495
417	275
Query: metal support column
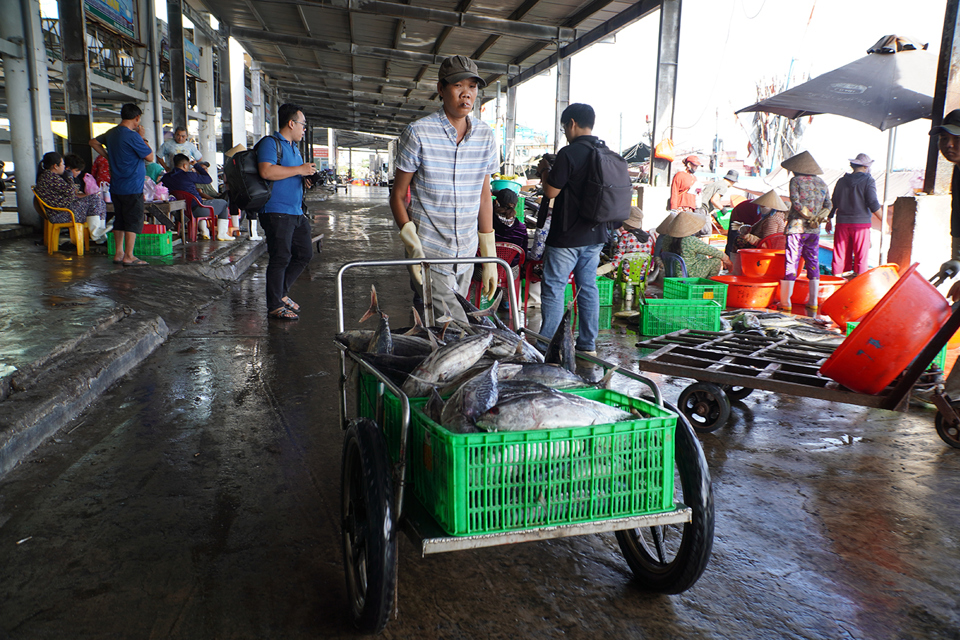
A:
178	72
257	99
206	103
146	73
663	109
946	98
76	82
238	94
563	101
226	106
510	132
332	151
274	108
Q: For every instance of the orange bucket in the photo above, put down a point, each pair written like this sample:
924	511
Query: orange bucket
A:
748	293
828	286
889	337
768	264
856	298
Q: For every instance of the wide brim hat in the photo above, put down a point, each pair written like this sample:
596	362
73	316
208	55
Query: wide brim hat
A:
237	149
457	68
802	163
663	226
686	224
862	160
772	200
950	124
732	175
635	220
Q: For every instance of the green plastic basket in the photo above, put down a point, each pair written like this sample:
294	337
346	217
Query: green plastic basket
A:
367	408
512	481
940	361
666	316
604	287
695	289
147	244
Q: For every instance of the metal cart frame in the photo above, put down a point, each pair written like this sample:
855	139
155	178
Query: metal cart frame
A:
406	512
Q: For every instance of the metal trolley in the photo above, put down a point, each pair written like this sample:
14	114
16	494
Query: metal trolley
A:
666	551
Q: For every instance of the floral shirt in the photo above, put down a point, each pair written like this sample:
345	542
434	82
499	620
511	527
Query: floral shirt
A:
701	259
54	190
810	193
627	242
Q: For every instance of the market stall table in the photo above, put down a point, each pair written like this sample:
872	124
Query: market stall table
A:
160	211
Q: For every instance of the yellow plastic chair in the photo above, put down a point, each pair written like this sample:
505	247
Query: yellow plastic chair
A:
637	269
51	230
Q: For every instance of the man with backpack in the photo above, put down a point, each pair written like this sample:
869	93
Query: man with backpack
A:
284	223
587	206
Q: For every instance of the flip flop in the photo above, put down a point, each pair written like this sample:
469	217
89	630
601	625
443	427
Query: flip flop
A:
283	313
290	304
136	263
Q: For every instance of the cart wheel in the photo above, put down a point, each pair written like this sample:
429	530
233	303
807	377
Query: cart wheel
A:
671	558
369	537
319	246
736	393
705	405
948	433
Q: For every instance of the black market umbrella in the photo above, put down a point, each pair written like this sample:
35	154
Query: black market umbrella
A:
892	85
638	153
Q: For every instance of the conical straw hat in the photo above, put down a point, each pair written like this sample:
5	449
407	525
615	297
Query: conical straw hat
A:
772	200
663	226
802	163
235	150
686	224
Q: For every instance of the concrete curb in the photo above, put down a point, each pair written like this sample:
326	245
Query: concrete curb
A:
60	393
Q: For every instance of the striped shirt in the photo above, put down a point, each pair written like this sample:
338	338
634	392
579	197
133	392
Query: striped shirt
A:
447	183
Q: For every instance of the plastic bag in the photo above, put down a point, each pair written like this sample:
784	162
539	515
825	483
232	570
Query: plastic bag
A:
105	191
161	193
90	185
664	150
149	189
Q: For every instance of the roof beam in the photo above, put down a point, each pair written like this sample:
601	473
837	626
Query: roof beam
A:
256	35
517	14
378	98
346	103
403	83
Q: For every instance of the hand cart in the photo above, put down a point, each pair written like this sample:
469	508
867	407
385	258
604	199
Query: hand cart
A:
729	366
667	551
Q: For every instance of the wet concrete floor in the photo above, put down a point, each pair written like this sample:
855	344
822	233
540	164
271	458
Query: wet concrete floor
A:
199	499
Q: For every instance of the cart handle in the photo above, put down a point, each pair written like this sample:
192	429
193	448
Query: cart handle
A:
428	305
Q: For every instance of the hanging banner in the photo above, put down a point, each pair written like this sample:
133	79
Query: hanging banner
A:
116	14
191	58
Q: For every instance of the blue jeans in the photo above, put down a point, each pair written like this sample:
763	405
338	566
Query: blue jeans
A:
557	265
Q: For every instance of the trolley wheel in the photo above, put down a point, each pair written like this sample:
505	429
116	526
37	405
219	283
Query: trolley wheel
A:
736	393
368	533
671	558
705	405
948	433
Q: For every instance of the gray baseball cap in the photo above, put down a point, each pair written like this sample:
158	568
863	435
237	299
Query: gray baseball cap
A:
950	124
457	68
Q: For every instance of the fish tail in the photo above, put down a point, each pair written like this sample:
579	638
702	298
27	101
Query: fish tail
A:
417	323
374	305
605	380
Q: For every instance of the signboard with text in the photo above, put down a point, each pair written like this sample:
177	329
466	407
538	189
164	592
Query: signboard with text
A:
116	14
191	58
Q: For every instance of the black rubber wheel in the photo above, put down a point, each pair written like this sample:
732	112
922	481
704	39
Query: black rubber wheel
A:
671	558
949	434
736	393
705	405
368	534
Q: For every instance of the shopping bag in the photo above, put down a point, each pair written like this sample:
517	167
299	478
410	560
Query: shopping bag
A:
90	185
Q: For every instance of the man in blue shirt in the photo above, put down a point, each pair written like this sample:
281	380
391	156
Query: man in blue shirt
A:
127	151
186	177
284	223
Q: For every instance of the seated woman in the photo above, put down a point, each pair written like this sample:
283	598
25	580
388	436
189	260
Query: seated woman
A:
701	259
54	190
506	227
186	177
773	220
630	238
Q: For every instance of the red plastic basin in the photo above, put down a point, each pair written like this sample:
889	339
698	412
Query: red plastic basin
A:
889	337
828	286
769	264
856	298
748	293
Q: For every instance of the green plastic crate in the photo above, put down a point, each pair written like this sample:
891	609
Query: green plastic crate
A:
940	361
512	481
604	287
659	317
367	408
147	244
695	289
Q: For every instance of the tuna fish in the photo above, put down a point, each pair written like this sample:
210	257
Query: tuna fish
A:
445	363
382	340
434	406
489	313
359	339
474	397
550	375
469	309
560	350
548	411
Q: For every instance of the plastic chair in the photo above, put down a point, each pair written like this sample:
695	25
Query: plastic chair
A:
530	277
51	230
190	219
506	251
775	241
673	265
633	271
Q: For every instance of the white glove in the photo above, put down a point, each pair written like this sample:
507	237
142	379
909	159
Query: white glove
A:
605	269
488	249
408	234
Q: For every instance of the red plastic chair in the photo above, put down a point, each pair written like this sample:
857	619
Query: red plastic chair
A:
506	251
191	219
530	277
775	241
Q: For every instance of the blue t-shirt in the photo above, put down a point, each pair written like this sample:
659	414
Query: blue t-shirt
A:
287	194
126	152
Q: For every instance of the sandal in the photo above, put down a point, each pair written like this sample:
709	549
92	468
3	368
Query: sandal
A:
283	313
290	304
135	263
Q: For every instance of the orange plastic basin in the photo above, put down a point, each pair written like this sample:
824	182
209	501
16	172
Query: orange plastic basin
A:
856	298
748	293
890	336
828	286
769	264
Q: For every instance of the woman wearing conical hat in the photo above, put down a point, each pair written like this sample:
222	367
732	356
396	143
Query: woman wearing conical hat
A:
770	219
809	207
701	259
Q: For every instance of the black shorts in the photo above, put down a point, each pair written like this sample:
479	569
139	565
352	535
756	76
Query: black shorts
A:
128	213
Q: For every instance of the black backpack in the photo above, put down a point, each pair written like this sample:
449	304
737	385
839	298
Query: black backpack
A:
241	172
607	190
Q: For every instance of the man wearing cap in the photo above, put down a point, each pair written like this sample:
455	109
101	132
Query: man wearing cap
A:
712	194
809	206
680	194
854	202
446	160
949	144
